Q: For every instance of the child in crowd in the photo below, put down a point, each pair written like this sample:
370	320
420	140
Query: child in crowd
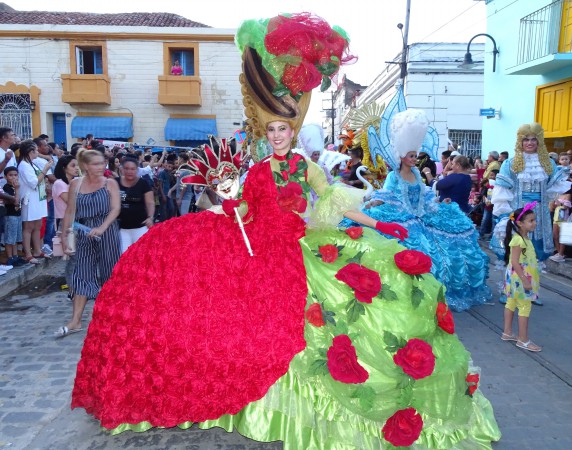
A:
563	206
564	159
521	279
13	219
477	210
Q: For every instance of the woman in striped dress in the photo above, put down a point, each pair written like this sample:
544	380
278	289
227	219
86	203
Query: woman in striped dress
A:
94	203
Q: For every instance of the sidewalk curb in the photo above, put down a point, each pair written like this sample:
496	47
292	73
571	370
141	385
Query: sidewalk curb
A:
19	276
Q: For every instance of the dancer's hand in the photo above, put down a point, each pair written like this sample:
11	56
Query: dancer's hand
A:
393	229
229	205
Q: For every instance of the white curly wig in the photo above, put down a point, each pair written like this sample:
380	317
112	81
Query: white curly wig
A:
408	130
311	138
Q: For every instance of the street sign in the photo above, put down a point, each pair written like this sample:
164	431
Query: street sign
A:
487	112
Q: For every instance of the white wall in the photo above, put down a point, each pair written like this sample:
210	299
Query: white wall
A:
450	96
133	69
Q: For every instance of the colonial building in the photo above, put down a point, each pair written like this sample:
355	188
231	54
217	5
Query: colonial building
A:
70	74
533	76
450	95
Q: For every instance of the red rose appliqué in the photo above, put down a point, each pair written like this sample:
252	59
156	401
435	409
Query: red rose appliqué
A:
445	318
416	359
314	315
342	361
365	282
354	232
473	382
290	198
403	428
329	253
413	262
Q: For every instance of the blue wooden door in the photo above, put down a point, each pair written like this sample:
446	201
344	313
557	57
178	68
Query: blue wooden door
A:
60	129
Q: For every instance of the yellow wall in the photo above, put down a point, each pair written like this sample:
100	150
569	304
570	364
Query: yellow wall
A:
565	44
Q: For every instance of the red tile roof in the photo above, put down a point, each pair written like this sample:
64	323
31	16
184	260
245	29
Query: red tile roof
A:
120	20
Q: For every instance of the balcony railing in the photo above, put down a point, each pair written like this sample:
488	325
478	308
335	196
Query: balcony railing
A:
539	33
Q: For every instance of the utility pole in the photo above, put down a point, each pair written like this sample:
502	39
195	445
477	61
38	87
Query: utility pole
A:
333	118
405	38
330	112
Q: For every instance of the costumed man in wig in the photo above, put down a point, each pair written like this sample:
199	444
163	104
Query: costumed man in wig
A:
529	176
295	340
441	230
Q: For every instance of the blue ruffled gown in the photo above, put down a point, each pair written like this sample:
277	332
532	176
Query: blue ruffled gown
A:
439	230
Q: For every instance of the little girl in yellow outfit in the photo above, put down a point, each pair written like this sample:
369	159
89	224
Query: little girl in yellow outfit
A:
521	279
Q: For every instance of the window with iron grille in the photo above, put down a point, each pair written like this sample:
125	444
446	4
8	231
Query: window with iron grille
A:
469	142
16	113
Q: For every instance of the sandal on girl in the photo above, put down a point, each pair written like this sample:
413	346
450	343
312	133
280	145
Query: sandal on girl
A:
32	260
508	337
65	331
528	345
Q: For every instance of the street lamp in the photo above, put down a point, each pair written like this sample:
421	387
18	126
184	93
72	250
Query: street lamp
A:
468	61
330	113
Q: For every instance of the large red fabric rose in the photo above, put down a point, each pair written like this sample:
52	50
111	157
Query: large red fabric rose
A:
290	198
413	262
329	253
403	428
365	282
473	382
445	318
354	232
314	315
342	361
416	359
301	78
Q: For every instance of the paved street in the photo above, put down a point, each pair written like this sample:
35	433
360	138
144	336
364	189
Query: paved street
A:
531	393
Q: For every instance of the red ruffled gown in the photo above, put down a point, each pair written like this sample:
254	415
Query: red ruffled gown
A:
189	326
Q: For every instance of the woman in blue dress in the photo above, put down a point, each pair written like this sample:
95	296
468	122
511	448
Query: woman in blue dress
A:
440	230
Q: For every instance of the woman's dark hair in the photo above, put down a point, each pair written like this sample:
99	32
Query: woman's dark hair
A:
129	159
147	157
26	147
511	228
60	169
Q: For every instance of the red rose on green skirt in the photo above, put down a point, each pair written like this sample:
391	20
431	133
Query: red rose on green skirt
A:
329	253
365	282
473	382
354	232
314	315
413	262
290	198
342	361
403	428
445	318
416	359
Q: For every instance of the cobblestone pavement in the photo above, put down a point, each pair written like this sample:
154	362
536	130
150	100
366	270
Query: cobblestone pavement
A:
531	393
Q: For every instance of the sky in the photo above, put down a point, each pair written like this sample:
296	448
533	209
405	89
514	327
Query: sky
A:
370	24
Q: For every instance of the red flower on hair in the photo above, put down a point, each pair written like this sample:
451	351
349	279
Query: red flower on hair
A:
290	198
403	428
354	232
365	282
342	361
314	315
416	359
445	318
329	253
413	262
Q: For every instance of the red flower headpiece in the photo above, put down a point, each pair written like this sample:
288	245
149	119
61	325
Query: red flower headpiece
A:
212	167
